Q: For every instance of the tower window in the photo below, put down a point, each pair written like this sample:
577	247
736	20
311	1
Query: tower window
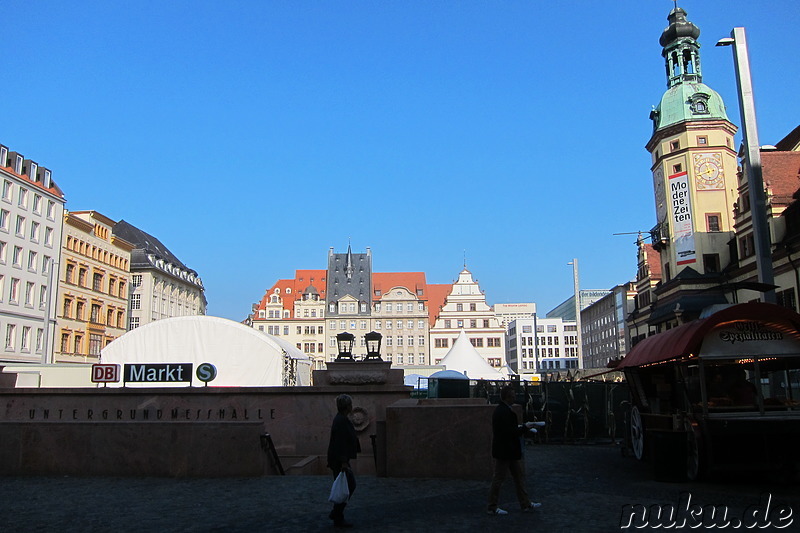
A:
677	168
710	263
674	146
712	222
702	140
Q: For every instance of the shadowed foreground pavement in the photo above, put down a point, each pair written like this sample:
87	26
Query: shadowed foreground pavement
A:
582	488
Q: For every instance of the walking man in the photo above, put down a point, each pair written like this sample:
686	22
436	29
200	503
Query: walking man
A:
507	453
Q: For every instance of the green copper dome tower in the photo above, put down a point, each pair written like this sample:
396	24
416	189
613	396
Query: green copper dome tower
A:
687	98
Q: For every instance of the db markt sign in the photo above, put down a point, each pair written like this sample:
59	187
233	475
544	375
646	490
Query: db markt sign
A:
158	373
105	373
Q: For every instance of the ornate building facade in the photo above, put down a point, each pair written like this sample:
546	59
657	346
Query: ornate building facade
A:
94	278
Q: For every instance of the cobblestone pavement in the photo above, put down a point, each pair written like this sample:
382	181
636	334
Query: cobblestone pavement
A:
583	488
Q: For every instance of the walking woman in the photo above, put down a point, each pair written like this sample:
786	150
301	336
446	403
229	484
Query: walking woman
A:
343	447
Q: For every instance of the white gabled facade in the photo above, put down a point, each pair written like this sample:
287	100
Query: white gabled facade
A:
465	309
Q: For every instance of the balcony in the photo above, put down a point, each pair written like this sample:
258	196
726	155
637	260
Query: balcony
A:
659	236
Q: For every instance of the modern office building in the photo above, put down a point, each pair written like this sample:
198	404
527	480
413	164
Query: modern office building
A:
566	309
507	313
161	285
94	275
536	346
31	211
605	333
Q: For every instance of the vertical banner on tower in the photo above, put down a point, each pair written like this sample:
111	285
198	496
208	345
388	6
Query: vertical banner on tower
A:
681	208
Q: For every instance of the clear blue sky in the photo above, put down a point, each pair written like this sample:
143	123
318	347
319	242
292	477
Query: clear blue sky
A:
251	136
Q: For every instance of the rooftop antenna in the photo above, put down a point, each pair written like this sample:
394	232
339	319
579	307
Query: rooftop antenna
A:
465	259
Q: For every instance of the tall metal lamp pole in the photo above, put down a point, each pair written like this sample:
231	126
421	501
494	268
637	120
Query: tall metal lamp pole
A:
755	178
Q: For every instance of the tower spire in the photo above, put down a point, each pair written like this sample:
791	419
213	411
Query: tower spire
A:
681	49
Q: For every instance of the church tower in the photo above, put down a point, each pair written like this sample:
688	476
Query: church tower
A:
693	161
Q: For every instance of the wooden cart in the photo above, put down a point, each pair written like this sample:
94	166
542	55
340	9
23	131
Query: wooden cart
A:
719	392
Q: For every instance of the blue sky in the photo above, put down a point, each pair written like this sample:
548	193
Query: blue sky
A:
252	136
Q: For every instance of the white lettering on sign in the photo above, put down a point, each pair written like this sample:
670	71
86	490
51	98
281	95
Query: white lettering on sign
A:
158	373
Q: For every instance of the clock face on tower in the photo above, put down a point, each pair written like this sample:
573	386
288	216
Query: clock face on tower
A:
708	171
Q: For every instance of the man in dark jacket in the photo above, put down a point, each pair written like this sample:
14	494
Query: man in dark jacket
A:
507	452
342	447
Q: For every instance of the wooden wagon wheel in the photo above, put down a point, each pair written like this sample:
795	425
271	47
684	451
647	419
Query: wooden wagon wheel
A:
637	433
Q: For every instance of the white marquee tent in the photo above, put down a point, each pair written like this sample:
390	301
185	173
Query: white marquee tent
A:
243	356
464	358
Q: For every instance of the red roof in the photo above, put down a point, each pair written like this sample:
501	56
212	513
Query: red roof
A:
437	294
383	282
54	189
292	289
653	259
781	175
687	339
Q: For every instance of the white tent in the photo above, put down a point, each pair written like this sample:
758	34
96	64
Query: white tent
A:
243	356
463	357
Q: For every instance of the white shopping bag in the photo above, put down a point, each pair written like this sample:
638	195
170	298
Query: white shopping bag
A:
340	492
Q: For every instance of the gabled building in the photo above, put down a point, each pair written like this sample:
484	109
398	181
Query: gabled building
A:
464	308
31	224
294	310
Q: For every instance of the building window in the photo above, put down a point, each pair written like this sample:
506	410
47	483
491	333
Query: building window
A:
712	222
94	315
136	301
421	340
95	343
136	280
710	263
97	282
26	338
674	146
459	307
77	344
702	140
14	296
786	299
4	219
493	342
677	168
473	323
473	307
48	236
11	331
440	343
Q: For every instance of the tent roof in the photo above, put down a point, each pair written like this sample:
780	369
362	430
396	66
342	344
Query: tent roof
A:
463	357
688	338
244	357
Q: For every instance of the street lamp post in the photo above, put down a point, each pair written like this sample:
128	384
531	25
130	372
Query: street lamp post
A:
576	282
755	179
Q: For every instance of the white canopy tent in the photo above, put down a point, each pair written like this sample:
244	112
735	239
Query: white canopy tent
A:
464	358
243	356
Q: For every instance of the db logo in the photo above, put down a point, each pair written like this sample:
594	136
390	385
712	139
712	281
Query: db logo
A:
105	373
